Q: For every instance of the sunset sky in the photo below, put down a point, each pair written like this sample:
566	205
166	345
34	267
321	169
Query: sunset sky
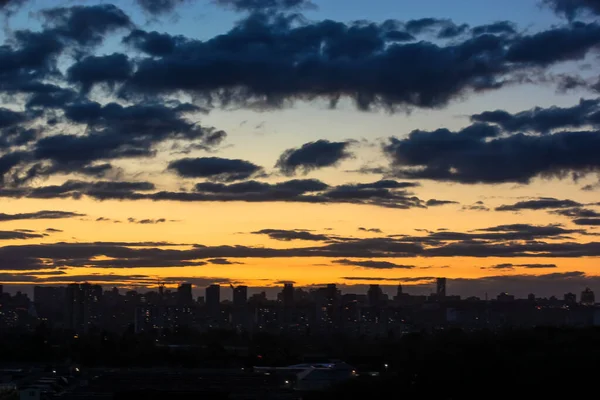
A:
334	141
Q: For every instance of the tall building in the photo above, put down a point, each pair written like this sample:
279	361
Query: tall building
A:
587	297
240	306
441	287
184	294
327	302
240	296
213	300
82	306
49	301
375	295
288	295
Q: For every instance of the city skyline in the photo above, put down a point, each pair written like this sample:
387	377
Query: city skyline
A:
260	142
85	308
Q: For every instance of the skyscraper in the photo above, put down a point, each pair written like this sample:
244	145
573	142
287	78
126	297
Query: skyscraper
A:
184	294
375	295
240	296
441	287
213	300
48	301
587	297
288	295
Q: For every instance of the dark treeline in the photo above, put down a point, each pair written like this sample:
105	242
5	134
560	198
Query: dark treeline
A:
444	364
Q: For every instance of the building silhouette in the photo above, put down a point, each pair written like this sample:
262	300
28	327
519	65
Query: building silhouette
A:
441	288
184	294
375	295
587	297
213	301
240	296
82	306
570	298
288	295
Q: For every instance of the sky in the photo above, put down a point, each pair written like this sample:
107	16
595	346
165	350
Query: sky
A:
259	142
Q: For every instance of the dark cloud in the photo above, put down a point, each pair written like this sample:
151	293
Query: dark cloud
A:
146	221
554	45
112	131
283	282
139	280
424	279
477	206
535	266
442	28
99	190
9	161
265	5
589	188
86	25
507	232
509	266
30	56
19	234
573	8
9	7
216	168
435	202
508	241
544	120
312	156
92	70
542	203
222	261
587	221
577	212
496	28
369	264
478	155
385	193
272	61
154	43
44	214
295	234
370	230
52	230
160	7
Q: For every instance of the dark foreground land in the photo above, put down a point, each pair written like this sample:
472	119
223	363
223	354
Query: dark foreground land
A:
543	363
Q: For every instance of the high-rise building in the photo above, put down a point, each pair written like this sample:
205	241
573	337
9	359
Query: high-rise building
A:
441	287
240	306
288	295
240	296
213	300
587	297
184	294
75	315
49	301
327	301
375	295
